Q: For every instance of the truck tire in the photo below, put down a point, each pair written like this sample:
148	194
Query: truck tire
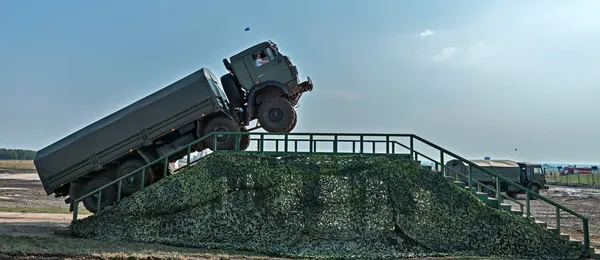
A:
221	124
109	194
276	115
232	90
132	183
535	188
512	194
294	122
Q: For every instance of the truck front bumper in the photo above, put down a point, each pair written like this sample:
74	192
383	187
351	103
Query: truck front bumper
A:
306	85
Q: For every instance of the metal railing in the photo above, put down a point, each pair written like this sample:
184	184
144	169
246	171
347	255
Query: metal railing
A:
340	144
471	181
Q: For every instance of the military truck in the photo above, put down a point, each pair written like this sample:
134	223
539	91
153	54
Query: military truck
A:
529	175
262	84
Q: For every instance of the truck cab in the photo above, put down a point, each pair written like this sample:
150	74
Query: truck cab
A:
532	176
263	84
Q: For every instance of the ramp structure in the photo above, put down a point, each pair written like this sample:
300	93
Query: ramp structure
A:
403	147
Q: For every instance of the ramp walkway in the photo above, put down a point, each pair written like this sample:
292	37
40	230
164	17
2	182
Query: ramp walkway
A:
401	146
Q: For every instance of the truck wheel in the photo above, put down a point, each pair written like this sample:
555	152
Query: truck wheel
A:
535	188
221	124
276	115
132	183
109	194
232	90
294	122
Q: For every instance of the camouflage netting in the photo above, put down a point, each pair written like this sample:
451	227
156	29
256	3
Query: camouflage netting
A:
320	206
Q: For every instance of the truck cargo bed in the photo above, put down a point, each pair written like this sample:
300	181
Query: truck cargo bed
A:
114	135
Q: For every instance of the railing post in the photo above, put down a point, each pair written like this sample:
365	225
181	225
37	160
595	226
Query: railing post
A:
119	190
285	145
99	200
237	142
215	142
470	178
142	179
441	162
586	233
498	191
311	144
335	144
361	143
387	144
528	203
189	152
75	210
166	167
412	148
262	143
558	220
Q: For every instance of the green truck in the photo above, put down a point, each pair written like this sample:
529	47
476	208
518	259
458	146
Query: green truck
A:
262	83
529	175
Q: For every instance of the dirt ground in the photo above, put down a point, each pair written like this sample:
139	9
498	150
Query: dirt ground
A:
26	211
585	201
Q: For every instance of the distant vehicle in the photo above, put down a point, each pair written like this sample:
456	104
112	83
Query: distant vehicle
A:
529	175
573	169
262	84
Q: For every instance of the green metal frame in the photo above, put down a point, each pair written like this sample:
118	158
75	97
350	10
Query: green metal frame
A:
390	150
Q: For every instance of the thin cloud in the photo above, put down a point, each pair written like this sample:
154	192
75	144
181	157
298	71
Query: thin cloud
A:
427	33
352	96
446	54
480	50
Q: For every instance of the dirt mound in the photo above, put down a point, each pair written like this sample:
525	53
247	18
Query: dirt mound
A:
323	206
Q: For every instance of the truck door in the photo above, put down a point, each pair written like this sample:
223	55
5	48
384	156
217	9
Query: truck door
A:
268	65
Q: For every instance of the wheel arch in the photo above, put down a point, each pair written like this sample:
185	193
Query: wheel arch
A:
262	92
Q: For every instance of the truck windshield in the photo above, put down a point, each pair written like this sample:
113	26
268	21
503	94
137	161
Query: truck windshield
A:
537	170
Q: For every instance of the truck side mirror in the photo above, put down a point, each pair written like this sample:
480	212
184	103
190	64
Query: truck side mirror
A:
227	65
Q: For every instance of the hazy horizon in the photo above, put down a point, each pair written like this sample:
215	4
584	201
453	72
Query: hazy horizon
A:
480	78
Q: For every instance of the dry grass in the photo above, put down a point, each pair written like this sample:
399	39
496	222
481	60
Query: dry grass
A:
17	164
21	247
61	247
65	247
81	210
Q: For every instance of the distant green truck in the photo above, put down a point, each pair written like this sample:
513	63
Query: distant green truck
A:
529	175
262	83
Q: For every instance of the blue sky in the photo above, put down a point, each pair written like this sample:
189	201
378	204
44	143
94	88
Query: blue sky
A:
477	77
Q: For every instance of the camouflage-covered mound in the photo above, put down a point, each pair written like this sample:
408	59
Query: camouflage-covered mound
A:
320	206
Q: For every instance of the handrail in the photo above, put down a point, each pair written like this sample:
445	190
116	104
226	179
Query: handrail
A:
585	220
464	175
414	155
188	146
161	159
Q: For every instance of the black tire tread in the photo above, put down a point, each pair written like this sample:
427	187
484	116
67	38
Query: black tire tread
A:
109	194
226	123
134	165
263	114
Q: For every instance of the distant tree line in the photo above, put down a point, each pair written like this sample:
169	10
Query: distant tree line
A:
16	154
